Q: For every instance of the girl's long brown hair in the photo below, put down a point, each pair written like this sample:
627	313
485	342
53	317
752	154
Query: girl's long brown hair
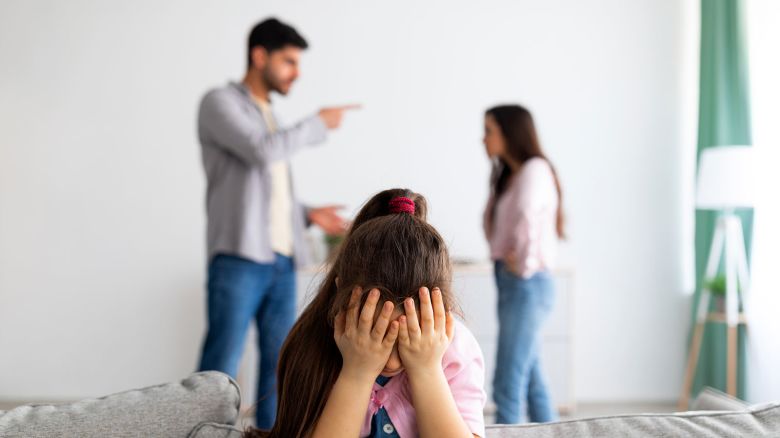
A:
395	252
522	144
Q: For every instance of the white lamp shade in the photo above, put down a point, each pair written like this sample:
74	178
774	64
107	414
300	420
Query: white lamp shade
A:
727	178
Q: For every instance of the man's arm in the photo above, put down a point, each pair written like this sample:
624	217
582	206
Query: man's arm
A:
223	121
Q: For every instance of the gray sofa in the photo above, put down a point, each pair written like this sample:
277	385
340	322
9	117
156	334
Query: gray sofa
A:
206	405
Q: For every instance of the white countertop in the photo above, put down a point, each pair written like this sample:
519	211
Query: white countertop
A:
481	267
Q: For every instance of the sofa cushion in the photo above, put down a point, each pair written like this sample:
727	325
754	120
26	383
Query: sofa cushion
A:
758	421
168	410
711	399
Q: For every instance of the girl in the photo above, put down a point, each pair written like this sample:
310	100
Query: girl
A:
523	221
377	352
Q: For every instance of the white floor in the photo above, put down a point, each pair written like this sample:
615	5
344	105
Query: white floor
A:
588	410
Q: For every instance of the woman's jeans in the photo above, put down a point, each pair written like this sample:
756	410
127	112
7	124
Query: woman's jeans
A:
239	291
519	384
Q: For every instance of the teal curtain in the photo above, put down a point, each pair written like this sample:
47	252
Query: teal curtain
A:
724	119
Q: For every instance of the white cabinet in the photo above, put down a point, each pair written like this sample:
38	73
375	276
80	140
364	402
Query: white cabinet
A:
476	290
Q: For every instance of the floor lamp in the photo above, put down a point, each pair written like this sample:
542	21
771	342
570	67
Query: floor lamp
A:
726	182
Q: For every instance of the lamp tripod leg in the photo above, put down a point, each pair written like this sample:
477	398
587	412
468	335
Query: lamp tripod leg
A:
702	309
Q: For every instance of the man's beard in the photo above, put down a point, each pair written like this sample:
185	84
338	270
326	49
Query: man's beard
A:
271	82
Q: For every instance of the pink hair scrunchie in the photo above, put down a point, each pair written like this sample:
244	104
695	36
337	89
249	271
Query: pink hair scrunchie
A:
401	204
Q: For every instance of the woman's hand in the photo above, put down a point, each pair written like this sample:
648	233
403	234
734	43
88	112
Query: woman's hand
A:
365	346
422	344
510	261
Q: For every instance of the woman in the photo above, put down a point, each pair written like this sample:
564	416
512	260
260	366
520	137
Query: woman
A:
523	221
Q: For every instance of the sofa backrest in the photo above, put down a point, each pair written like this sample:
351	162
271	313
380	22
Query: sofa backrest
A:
206	405
757	421
169	410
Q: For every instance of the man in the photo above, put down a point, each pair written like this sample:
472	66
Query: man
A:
255	226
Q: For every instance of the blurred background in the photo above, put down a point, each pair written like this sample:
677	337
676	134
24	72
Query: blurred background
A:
102	219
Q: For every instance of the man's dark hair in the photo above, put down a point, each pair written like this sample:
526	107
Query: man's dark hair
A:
272	34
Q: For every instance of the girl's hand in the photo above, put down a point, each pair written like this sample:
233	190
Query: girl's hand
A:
421	345
365	346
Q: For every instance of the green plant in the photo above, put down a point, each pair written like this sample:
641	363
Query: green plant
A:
332	243
717	285
333	240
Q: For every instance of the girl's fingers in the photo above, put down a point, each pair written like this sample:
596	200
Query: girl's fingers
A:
439	314
352	309
392	334
367	314
338	324
412	326
403	330
380	326
426	311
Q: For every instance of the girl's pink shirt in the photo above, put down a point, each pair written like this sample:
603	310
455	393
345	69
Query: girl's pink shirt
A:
464	369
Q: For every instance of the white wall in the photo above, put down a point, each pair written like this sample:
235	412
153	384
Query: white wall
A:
101	211
764	300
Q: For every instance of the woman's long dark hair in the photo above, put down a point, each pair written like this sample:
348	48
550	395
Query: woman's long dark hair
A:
395	252
519	132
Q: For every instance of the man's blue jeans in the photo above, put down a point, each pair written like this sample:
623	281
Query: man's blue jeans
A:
519	384
239	291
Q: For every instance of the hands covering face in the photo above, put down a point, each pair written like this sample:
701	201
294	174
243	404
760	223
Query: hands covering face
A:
366	339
